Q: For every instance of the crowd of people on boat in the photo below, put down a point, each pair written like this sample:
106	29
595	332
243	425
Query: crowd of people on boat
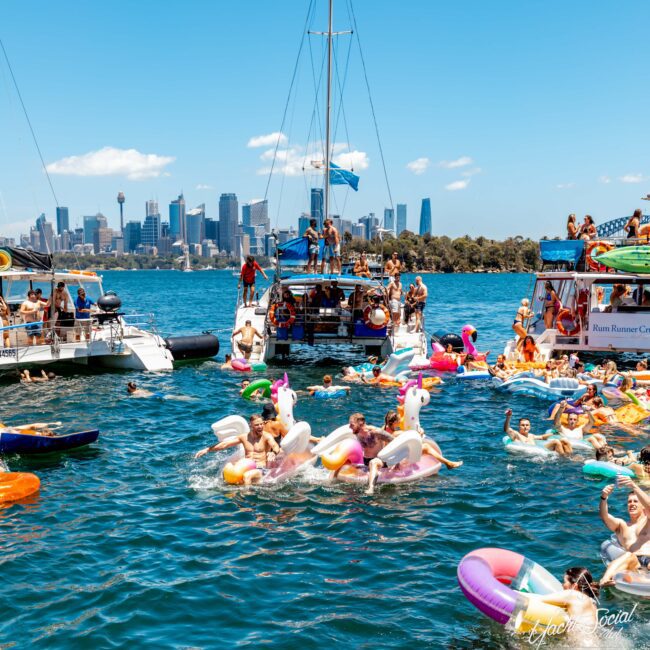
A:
43	318
587	229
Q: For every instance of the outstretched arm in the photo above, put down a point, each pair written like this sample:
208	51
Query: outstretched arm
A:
613	523
644	498
557	420
224	444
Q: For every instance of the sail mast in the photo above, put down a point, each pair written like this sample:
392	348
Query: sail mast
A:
328	112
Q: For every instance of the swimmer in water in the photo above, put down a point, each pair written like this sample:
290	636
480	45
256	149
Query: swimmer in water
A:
26	378
377	377
134	391
523	435
327	386
227	364
579	598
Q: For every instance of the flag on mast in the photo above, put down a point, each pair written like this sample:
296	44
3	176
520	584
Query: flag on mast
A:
340	176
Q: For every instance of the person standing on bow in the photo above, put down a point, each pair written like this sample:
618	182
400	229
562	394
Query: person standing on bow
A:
247	276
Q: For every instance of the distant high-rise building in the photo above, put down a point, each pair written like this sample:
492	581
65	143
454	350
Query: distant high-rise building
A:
132	236
425	217
317	205
195	224
401	218
346	226
256	223
228	222
91	224
389	219
62	220
151	230
35	239
358	231
177	218
212	230
370	225
102	238
46	235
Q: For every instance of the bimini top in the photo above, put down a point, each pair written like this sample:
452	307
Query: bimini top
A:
72	277
327	279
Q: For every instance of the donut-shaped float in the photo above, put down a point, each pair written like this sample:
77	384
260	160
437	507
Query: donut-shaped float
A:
504	586
17	485
233	473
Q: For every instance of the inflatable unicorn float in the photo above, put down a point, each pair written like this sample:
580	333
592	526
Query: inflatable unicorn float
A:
408	457
444	361
295	447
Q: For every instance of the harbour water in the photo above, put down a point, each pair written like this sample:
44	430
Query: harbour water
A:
133	543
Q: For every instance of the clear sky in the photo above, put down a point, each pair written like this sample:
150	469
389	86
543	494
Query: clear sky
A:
509	115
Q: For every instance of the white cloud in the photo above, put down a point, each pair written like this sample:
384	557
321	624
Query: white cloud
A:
356	160
419	166
604	179
110	161
202	186
632	178
565	186
463	161
472	172
271	139
457	185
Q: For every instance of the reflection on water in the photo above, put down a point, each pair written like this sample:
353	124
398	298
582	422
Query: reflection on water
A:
133	543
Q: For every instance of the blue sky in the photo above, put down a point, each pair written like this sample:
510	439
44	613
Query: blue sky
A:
509	115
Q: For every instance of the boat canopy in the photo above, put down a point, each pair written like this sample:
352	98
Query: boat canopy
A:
327	279
71	277
568	251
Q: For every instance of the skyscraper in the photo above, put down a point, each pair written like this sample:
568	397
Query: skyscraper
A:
212	230
317	205
228	222
195	224
132	236
91	224
62	220
425	217
177	228
256	223
46	234
401	219
151	230
389	219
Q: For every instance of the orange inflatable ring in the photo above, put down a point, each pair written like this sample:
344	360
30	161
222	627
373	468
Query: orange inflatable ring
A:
17	485
279	307
371	310
565	314
597	247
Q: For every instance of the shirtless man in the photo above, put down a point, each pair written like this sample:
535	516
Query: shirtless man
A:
395	293
30	310
393	265
312	246
633	537
562	447
327	386
574	432
28	379
258	444
332	248
361	267
227	363
377	377
59	304
421	294
248	334
133	390
372	441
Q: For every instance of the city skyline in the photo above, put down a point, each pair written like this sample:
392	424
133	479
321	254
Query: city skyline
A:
502	144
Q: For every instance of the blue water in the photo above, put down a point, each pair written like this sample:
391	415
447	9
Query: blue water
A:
132	543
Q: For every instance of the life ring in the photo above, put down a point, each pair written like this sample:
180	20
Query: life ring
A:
597	247
280	307
565	313
5	260
370	312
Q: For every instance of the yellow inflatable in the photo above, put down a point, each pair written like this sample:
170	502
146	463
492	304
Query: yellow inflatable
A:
233	473
5	260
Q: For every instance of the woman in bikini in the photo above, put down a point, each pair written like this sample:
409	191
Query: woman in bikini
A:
4	318
632	225
552	305
522	315
571	228
528	349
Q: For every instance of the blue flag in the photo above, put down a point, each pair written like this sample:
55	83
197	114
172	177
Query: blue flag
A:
340	176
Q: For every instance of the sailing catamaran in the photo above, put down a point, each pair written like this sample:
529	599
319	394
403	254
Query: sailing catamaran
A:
323	309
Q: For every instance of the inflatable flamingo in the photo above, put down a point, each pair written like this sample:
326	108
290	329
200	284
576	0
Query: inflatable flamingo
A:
467	332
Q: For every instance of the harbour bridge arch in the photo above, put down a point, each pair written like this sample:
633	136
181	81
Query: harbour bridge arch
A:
614	228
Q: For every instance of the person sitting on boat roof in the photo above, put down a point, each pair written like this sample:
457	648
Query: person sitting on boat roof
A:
248	334
258	445
361	267
30	310
247	276
327	386
524	436
393	265
312	236
28	379
332	248
588	229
